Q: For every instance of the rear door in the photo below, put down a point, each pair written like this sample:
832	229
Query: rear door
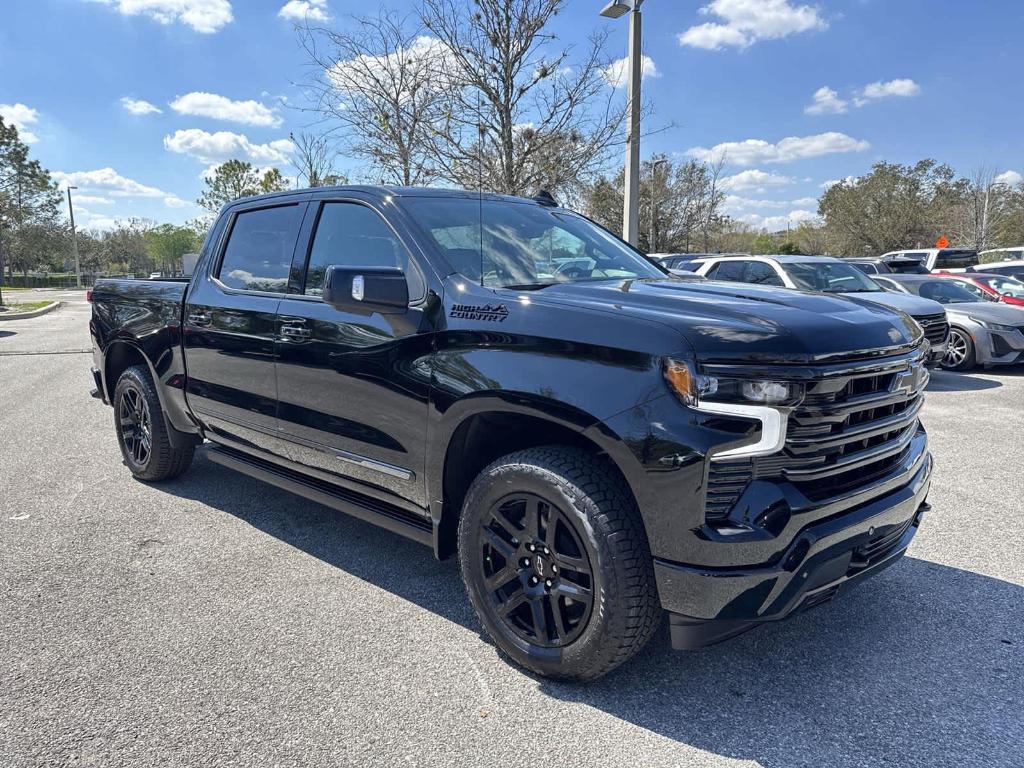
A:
230	325
353	388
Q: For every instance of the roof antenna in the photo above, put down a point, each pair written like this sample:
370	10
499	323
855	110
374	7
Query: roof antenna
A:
481	138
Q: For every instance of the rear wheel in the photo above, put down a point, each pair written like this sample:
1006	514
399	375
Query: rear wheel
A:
141	430
959	351
557	564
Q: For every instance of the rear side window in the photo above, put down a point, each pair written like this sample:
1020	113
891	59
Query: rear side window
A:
354	235
259	250
950	258
760	273
727	270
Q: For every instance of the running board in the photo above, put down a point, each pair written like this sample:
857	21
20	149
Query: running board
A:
379	513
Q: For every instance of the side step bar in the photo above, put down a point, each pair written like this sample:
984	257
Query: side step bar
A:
373	511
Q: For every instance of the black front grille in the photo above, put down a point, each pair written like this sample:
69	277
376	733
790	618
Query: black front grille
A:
851	429
936	328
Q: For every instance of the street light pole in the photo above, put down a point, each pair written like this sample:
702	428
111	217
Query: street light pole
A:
653	244
631	203
74	240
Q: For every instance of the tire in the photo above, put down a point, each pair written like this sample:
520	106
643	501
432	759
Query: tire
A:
592	565
141	429
960	357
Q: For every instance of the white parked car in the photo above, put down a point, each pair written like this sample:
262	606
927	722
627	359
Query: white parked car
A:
935	259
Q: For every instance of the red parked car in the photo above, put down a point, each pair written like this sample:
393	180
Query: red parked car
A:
990	287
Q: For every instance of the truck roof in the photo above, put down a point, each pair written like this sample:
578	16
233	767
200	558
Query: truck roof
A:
394	191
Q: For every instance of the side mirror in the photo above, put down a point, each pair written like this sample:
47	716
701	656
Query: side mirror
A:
365	290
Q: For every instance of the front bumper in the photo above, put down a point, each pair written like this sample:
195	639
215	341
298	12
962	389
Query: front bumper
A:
707	605
998	347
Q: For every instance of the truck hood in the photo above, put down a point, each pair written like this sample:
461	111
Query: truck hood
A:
988	311
904	302
735	321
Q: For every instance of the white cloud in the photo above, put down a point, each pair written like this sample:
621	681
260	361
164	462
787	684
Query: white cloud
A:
743	22
1009	178
105	180
173	201
223	145
752	151
777	223
826	102
139	106
754	181
21	116
426	55
302	10
204	16
902	88
833	182
617	73
805	202
93	200
212	105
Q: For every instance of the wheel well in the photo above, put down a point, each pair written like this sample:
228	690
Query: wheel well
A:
119	358
481	439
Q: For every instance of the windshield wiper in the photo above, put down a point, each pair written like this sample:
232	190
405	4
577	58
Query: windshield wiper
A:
532	286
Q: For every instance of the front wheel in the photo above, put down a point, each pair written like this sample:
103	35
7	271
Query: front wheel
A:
959	351
556	563
142	432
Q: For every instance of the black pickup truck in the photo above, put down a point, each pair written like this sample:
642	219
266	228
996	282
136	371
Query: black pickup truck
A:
505	381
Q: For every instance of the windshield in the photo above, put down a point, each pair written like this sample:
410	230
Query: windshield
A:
1004	286
516	245
830	277
943	291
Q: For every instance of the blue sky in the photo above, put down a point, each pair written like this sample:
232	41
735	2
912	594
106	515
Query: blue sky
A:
795	94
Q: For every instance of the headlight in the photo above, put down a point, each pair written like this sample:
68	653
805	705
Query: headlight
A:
994	326
693	387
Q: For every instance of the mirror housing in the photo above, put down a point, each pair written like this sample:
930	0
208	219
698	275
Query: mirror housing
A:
366	290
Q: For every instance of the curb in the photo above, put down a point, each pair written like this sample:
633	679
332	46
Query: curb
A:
34	313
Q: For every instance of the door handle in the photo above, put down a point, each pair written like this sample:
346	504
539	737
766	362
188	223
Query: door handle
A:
295	332
199	318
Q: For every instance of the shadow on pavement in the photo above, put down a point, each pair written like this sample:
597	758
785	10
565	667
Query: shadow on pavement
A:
922	665
950	381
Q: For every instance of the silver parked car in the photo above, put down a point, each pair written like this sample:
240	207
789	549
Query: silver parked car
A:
981	332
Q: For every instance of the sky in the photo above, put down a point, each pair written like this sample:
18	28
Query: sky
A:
132	100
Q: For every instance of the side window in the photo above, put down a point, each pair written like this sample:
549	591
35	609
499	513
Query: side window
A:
354	235
762	274
727	270
980	294
259	250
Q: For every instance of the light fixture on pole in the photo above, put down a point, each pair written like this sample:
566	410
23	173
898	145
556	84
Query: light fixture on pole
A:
631	204
74	240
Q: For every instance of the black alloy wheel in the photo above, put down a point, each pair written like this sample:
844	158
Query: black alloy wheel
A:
538	575
136	425
142	431
556	563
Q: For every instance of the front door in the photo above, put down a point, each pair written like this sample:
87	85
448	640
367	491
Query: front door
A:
353	388
230	326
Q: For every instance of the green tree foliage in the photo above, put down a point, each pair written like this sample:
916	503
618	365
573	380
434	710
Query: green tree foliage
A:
235	179
684	198
167	243
895	206
28	204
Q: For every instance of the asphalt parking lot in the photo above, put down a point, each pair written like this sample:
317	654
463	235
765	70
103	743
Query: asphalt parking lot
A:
216	621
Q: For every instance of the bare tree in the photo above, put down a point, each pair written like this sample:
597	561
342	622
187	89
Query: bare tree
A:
520	117
314	160
375	87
